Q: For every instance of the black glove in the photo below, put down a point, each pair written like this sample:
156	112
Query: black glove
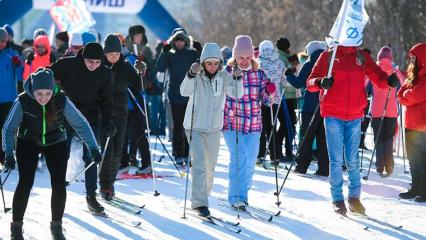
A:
10	162
96	155
109	129
290	70
393	80
167	48
140	67
326	82
237	73
30	58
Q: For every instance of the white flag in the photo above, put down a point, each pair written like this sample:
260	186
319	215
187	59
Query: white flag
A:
348	28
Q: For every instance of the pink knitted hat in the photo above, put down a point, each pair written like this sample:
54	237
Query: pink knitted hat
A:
385	52
243	46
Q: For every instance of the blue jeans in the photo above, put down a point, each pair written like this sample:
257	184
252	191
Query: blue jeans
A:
342	142
241	170
156	106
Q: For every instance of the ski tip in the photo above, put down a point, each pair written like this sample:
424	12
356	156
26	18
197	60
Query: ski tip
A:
365	178
138	212
270	218
138	224
278	213
67	183
238	231
7	210
143	206
366	228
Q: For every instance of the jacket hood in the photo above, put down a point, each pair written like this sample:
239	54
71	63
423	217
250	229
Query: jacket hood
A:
211	50
267	51
179	33
42	40
313	46
28	86
419	51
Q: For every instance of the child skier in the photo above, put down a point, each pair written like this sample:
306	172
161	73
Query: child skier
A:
243	120
40	114
206	85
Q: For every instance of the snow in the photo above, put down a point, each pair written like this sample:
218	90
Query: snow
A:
306	211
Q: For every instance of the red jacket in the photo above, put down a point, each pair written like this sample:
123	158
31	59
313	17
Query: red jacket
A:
414	98
346	99
39	61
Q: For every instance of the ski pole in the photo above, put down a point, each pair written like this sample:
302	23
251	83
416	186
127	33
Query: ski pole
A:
376	140
402	138
236	139
103	156
189	149
67	183
156	193
2	193
274	152
299	147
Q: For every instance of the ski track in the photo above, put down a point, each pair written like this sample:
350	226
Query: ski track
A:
306	210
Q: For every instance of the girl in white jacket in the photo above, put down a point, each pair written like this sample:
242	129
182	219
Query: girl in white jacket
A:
206	85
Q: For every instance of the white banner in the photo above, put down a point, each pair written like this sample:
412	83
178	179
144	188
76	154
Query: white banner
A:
354	19
100	6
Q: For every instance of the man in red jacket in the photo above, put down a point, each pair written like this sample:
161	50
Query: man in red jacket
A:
342	108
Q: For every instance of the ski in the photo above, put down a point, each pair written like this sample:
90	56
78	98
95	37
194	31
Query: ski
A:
252	213
256	212
126	176
271	167
122	201
123	207
217	222
375	220
116	219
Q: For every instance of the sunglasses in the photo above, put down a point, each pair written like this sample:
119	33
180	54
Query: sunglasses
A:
40	46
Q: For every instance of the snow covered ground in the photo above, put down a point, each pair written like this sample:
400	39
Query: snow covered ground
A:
306	211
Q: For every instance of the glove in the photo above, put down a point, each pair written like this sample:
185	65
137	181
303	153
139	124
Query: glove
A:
10	162
167	48
109	129
195	68
237	73
270	88
289	71
393	80
30	58
140	67
326	83
96	155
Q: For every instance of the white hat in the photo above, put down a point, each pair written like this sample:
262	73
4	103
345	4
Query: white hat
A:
76	40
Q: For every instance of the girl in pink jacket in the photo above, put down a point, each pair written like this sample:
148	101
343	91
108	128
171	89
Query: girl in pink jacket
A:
384	148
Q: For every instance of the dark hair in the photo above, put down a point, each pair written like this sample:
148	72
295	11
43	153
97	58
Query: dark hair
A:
367	50
51	114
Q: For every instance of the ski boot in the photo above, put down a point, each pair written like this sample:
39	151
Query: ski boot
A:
240	205
146	170
340	207
57	230
107	193
93	205
356	206
203	211
409	194
16	231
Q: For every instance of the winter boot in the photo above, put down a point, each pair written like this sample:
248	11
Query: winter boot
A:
16	231
93	204
340	207
146	170
356	206
179	161
107	193
260	161
203	211
56	230
420	199
240	205
410	194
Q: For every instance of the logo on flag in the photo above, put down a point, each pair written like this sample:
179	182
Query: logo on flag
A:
348	28
71	15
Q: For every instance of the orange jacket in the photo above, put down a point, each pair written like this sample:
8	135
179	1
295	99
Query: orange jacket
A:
39	61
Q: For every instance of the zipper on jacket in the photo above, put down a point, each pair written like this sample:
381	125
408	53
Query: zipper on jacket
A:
43	135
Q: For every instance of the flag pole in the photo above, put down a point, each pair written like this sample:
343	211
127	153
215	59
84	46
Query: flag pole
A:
336	41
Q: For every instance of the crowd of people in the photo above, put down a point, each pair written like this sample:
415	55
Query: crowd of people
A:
255	97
